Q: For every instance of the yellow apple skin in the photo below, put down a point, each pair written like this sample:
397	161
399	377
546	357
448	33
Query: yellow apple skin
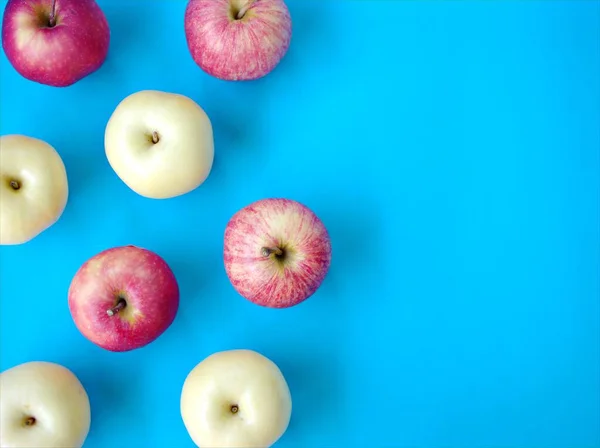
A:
42	405
160	144
236	399
33	188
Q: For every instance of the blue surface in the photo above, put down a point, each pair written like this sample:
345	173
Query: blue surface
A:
451	148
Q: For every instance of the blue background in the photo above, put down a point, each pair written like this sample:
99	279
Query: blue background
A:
451	148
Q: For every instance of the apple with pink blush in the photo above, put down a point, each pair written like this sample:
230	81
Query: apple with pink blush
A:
237	40
123	298
55	42
277	252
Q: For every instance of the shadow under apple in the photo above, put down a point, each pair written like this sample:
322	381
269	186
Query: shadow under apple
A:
103	381
314	379
357	250
198	273
83	170
235	112
314	39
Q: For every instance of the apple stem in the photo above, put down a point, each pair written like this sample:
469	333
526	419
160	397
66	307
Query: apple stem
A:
155	137
267	251
242	12
118	307
15	185
29	421
52	16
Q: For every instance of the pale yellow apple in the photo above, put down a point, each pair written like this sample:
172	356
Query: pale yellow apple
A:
33	188
236	399
42	405
160	144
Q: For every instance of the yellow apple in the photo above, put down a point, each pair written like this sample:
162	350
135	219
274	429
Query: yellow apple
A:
160	144
42	405
236	399
33	188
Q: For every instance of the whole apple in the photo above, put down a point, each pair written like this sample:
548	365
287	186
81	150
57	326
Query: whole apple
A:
236	399
42	404
277	252
160	144
33	188
237	40
55	42
123	298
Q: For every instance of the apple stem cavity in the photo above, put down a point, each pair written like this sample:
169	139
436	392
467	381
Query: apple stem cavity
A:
268	251
29	421
118	307
243	10
52	16
155	137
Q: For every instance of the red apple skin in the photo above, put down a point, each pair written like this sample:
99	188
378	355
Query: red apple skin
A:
57	56
143	279
267	280
237	50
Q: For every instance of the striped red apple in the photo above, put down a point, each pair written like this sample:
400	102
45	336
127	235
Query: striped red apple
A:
277	252
237	40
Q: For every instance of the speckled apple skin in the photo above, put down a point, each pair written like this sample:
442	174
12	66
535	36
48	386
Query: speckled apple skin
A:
59	56
149	286
237	50
283	223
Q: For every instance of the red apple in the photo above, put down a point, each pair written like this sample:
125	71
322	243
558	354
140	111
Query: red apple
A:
55	42
277	252
124	298
237	40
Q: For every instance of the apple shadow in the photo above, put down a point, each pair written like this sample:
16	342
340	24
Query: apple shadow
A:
317	398
314	38
356	246
124	32
198	278
83	171
235	128
103	382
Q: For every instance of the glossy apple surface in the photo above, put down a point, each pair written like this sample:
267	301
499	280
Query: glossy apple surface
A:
277	252
237	40
42	405
123	298
236	399
160	144
33	188
55	43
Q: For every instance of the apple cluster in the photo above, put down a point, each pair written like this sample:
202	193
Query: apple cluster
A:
276	251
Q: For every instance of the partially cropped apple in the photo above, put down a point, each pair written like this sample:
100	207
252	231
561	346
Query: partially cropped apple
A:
160	144
123	298
236	399
55	42
42	405
33	188
277	252
237	40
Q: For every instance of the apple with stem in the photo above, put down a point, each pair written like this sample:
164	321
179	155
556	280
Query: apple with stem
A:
55	42
277	252
34	188
42	404
123	298
160	144
237	40
236	399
